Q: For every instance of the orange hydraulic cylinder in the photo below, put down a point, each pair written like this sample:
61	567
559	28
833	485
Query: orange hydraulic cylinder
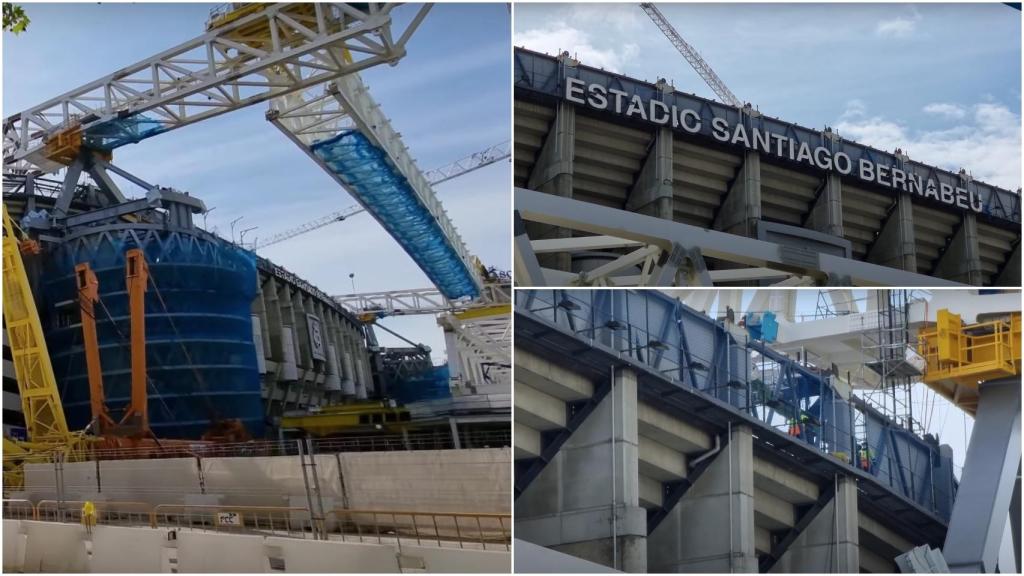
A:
88	295
137	278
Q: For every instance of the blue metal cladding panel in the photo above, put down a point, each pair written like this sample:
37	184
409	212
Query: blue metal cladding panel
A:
199	349
390	198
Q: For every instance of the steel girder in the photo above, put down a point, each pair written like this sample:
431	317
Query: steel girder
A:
422	301
668	235
308	117
222	70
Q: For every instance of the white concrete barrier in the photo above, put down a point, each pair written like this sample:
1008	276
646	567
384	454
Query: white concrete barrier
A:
310	556
221	553
53	547
14	546
459	561
127	550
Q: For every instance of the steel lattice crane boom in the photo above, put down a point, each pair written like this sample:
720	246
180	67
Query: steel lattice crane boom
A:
692	56
462	166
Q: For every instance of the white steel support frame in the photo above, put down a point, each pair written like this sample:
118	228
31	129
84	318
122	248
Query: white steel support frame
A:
686	246
435	176
307	117
479	341
220	71
422	301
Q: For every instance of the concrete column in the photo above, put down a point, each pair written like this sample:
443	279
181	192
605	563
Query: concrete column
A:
827	213
711	529
895	245
830	543
652	192
741	209
552	174
961	262
569	506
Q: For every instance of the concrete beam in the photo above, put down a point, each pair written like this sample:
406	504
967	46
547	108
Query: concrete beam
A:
652	492
784	484
711	529
651	194
1010	274
881	539
527	441
961	261
538	410
772	512
671	431
661	462
549	377
895	245
741	209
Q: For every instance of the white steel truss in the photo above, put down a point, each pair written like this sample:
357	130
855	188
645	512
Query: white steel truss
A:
307	117
664	253
422	301
277	49
435	176
483	346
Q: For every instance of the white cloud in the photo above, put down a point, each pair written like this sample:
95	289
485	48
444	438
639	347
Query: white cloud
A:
560	37
947	110
987	142
900	26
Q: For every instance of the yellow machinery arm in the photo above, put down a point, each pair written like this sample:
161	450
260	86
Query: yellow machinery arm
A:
959	358
40	401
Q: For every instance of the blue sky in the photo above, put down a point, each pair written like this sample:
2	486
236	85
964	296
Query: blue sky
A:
448	97
939	80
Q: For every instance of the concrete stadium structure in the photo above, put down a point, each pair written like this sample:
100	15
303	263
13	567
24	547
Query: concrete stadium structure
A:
650	437
672	189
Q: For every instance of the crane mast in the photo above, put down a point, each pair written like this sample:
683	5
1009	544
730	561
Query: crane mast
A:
692	56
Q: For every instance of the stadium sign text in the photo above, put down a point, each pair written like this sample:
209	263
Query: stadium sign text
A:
779	145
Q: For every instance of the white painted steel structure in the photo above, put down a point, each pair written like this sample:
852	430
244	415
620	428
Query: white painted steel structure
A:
214	73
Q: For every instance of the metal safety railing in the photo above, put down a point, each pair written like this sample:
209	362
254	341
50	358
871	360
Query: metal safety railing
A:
486	531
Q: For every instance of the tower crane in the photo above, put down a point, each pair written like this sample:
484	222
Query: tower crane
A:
462	166
304	59
692	56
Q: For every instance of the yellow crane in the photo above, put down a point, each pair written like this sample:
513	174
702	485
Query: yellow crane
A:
40	401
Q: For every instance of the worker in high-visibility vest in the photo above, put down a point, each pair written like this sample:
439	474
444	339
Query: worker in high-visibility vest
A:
864	457
794	427
88	516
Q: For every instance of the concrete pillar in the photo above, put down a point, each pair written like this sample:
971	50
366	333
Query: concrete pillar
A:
741	209
652	192
552	174
827	213
711	529
961	262
830	543
894	246
569	506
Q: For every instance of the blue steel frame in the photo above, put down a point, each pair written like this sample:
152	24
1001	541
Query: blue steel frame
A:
749	377
544	76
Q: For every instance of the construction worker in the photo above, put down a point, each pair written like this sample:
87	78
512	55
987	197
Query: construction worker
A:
864	457
88	516
794	427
